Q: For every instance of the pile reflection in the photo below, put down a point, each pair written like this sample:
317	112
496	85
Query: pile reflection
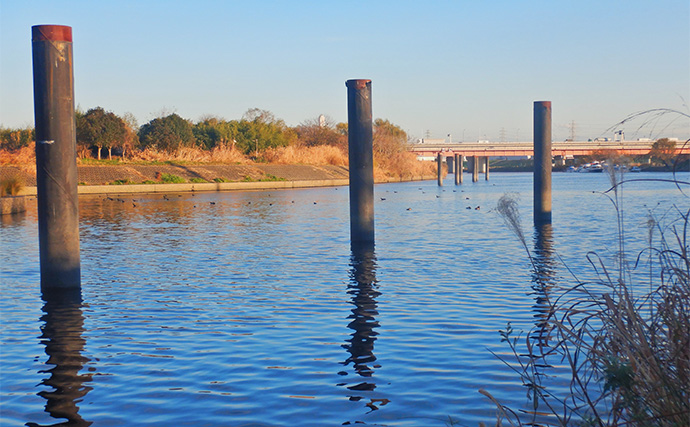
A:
62	336
543	284
360	346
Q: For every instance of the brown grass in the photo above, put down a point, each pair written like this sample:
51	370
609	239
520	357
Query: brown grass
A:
315	155
24	158
220	154
401	165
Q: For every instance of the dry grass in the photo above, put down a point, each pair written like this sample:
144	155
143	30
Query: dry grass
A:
402	165
24	158
626	354
315	155
220	154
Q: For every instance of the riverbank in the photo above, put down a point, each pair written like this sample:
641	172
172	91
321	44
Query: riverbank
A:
179	178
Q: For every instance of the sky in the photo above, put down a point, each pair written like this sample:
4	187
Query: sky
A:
469	69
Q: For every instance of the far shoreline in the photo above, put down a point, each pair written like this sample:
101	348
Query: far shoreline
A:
216	186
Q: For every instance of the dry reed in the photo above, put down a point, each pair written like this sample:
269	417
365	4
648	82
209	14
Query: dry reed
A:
315	155
219	154
627	355
24	158
402	165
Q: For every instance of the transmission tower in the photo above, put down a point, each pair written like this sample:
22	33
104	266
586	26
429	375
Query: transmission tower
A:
572	130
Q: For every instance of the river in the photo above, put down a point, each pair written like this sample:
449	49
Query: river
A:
249	309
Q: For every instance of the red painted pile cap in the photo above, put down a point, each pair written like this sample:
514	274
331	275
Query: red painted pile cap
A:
56	33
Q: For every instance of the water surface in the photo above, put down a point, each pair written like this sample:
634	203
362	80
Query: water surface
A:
249	308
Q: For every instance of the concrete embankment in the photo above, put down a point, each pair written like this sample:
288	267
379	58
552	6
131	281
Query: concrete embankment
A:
130	179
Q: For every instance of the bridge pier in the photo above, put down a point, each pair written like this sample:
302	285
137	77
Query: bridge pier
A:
475	168
439	170
542	162
459	158
486	168
361	155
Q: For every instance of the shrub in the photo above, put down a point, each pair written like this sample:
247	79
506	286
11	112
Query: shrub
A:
172	179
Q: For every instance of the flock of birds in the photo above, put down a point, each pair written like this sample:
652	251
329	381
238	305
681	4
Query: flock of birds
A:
167	198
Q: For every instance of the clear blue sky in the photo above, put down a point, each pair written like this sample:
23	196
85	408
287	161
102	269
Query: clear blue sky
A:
468	68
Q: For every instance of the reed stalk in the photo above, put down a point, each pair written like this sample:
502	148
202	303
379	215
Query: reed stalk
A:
626	354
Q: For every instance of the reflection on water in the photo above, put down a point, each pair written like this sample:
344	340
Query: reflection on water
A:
363	290
230	308
13	219
64	345
543	281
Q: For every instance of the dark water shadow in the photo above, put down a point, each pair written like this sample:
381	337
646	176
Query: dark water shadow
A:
63	326
363	290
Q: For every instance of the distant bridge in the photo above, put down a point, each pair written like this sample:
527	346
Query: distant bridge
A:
507	149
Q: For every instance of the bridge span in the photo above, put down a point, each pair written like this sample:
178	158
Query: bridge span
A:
567	148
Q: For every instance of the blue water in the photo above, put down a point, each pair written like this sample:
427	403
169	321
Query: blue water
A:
248	308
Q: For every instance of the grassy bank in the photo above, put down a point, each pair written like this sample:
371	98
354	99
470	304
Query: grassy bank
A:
222	164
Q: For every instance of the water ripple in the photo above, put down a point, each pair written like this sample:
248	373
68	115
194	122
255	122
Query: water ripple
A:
253	310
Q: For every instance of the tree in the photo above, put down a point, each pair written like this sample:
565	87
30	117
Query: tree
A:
389	139
258	115
131	140
168	133
259	130
14	139
213	132
101	129
664	150
341	128
312	132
